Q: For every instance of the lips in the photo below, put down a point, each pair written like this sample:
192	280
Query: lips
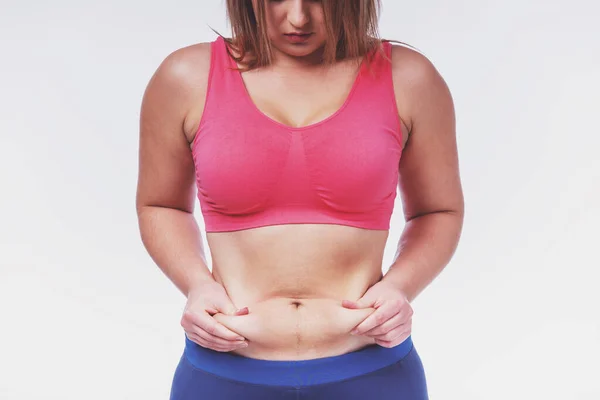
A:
297	37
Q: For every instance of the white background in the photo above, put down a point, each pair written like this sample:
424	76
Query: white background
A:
85	314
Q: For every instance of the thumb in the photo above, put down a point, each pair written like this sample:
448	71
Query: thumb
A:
354	304
242	311
230	309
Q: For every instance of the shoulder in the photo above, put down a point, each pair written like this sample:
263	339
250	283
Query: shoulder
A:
418	84
183	67
181	79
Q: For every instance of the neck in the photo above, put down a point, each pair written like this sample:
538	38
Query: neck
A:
309	62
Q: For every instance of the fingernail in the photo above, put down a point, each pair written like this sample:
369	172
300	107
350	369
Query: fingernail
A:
244	344
239	338
354	332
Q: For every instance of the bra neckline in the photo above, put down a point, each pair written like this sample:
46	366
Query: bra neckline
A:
252	104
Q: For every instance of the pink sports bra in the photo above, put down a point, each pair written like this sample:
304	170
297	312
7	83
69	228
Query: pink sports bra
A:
253	171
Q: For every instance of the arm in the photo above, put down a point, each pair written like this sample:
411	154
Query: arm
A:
166	179
429	183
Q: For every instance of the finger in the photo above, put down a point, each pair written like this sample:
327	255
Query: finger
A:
214	339
394	334
218	330
223	349
393	343
355	304
210	325
213	346
350	304
198	340
377	318
386	327
228	308
242	311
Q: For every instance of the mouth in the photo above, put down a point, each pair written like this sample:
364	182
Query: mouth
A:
297	37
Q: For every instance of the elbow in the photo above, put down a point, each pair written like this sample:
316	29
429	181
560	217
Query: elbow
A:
455	212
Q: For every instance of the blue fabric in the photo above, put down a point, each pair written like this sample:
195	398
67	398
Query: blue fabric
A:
374	372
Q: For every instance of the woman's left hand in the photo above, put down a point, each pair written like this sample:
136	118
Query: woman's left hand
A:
390	323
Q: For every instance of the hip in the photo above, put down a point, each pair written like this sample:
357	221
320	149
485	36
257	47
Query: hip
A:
371	372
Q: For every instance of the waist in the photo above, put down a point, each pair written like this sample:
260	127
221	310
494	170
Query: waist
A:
284	328
295	372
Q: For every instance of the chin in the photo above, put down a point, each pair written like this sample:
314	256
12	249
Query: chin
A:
299	50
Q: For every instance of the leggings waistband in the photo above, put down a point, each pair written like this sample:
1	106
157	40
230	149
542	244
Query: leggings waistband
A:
295	372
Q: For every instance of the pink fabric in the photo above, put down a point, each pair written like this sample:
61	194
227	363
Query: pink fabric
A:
253	171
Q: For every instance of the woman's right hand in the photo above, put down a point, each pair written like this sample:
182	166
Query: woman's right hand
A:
204	301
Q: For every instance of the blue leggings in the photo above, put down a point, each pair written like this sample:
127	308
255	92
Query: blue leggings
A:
373	372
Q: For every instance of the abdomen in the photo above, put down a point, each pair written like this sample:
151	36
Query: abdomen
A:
295	329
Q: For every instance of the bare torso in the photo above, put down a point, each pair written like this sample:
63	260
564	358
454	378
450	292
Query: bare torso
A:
293	277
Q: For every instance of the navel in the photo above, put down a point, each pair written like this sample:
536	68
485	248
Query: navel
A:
296	303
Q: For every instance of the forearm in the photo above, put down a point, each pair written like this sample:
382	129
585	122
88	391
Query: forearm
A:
173	240
424	249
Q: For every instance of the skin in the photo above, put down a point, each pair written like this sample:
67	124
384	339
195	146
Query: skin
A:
260	282
299	17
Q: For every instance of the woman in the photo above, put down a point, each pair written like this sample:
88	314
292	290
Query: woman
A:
297	133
